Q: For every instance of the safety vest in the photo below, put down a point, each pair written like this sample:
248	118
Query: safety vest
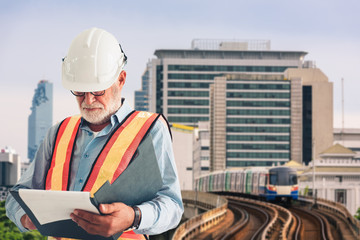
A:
111	161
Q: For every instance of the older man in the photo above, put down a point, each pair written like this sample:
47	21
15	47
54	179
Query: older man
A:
77	148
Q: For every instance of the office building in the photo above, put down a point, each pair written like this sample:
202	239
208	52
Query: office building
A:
269	119
10	169
142	96
201	149
41	117
264	107
180	79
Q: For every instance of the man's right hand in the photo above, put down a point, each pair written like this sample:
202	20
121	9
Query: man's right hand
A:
27	223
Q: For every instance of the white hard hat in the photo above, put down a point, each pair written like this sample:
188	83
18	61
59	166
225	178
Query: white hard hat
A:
94	61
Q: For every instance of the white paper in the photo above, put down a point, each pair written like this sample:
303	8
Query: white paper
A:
50	206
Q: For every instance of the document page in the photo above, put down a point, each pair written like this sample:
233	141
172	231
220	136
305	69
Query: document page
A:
51	206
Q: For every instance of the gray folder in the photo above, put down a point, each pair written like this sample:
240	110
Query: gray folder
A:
139	182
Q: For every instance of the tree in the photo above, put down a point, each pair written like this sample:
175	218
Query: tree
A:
357	214
9	231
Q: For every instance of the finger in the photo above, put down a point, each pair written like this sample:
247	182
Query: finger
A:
110	208
87	226
87	216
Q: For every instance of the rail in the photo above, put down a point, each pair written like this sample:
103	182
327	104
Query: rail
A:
339	209
216	206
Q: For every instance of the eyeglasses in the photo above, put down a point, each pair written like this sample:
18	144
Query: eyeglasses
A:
81	94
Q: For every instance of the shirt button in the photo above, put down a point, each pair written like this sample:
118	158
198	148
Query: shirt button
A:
81	180
90	133
86	155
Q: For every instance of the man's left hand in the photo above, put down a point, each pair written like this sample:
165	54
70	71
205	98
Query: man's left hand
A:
118	217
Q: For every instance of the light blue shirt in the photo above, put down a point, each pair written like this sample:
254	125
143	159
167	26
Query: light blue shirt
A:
158	215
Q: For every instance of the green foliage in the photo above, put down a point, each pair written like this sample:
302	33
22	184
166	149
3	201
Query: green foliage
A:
306	191
357	214
9	231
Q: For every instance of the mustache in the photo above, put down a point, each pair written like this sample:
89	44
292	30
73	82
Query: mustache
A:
93	105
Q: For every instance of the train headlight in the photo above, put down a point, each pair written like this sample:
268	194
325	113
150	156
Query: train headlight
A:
272	188
294	188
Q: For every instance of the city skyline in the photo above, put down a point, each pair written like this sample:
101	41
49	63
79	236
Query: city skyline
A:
37	35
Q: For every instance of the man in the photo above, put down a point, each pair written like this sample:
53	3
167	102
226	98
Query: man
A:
93	71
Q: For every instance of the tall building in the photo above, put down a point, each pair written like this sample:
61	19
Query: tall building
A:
269	119
264	107
180	79
142	96
41	117
10	168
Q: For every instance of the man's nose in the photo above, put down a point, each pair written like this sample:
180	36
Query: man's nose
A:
89	98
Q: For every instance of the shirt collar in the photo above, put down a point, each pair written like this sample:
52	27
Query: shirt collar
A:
116	118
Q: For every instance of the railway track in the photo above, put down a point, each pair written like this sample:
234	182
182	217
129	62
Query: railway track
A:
310	225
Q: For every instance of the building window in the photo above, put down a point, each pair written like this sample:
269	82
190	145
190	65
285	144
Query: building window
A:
340	196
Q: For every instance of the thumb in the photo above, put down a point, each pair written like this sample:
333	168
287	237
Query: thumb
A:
109	208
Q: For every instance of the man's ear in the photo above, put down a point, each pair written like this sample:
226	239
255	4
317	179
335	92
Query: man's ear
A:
122	78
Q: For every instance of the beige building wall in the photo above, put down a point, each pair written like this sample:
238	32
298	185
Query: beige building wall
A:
322	104
296	120
218	124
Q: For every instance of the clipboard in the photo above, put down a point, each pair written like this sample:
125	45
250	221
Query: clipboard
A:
138	183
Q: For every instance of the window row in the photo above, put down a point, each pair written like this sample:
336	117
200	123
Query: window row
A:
213	68
188	93
259	120
258	129
240	146
257	155
257	138
184	76
188	85
189	110
256	104
256	95
251	163
258	112
188	102
257	86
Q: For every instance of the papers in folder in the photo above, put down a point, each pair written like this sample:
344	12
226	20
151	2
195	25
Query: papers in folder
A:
140	182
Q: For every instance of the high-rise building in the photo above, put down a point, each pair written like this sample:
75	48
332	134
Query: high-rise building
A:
41	117
266	107
142	96
269	119
10	168
180	79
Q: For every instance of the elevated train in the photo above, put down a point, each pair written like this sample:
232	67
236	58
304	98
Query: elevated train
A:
273	184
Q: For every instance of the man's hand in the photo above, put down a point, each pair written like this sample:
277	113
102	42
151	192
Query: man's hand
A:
27	223
118	217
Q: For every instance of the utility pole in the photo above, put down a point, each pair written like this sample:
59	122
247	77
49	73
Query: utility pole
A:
313	162
342	109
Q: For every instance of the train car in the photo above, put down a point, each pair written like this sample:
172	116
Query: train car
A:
276	183
282	184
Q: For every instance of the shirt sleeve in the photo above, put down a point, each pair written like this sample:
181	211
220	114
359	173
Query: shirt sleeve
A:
33	178
165	211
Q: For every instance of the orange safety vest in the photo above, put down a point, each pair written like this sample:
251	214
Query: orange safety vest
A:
110	163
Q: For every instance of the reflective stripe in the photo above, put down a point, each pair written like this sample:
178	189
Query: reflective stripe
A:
58	174
118	152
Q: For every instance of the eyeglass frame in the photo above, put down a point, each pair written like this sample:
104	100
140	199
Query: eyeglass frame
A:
82	94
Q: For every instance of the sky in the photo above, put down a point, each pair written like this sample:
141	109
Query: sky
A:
35	36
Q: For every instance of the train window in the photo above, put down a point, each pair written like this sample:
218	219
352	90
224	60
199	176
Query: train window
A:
273	179
293	179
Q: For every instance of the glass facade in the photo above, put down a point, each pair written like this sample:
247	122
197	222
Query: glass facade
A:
41	117
307	124
258	122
